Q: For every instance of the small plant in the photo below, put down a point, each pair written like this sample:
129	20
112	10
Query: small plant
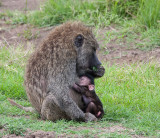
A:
124	8
19	18
27	34
15	130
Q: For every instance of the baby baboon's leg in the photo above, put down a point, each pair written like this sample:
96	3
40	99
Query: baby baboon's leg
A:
86	100
91	108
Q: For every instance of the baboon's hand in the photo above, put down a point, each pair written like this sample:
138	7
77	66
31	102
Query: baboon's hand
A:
90	117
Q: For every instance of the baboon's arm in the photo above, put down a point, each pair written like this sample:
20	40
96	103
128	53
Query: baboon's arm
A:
75	113
67	105
27	109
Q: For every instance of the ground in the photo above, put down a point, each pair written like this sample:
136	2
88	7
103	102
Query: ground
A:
20	5
117	53
112	52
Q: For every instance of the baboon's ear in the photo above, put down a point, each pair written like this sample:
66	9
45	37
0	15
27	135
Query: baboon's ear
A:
78	42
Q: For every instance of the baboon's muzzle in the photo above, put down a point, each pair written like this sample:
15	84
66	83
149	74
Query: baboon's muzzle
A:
96	72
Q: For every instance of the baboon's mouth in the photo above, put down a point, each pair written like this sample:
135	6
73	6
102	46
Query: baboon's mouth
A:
96	71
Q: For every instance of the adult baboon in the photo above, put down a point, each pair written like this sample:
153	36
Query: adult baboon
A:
67	52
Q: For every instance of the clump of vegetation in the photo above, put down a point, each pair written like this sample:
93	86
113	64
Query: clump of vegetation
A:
54	12
124	8
102	12
15	130
149	13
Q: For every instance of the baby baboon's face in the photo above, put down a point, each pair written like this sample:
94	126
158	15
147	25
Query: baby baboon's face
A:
84	81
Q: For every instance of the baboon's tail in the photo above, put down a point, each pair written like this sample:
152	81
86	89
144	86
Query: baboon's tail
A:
27	109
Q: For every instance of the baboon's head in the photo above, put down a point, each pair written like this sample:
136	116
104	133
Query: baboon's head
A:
86	46
80	40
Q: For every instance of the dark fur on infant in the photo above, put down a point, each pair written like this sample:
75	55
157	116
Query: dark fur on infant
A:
92	103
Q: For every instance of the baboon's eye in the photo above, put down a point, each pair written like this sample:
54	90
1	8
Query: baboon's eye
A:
79	40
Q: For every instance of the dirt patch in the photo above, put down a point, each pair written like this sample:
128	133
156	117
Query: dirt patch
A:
25	35
111	129
112	53
121	55
36	134
20	5
42	134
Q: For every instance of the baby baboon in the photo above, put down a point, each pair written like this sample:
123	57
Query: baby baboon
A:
68	52
93	105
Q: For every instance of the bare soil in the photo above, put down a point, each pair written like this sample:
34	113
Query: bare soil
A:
20	5
42	134
36	134
122	53
27	35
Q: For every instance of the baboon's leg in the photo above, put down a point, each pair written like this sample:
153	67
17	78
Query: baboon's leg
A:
51	110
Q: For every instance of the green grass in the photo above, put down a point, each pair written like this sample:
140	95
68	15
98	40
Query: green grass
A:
130	96
149	13
55	12
69	128
12	62
123	8
101	13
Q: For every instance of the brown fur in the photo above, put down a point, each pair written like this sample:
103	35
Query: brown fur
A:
53	67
